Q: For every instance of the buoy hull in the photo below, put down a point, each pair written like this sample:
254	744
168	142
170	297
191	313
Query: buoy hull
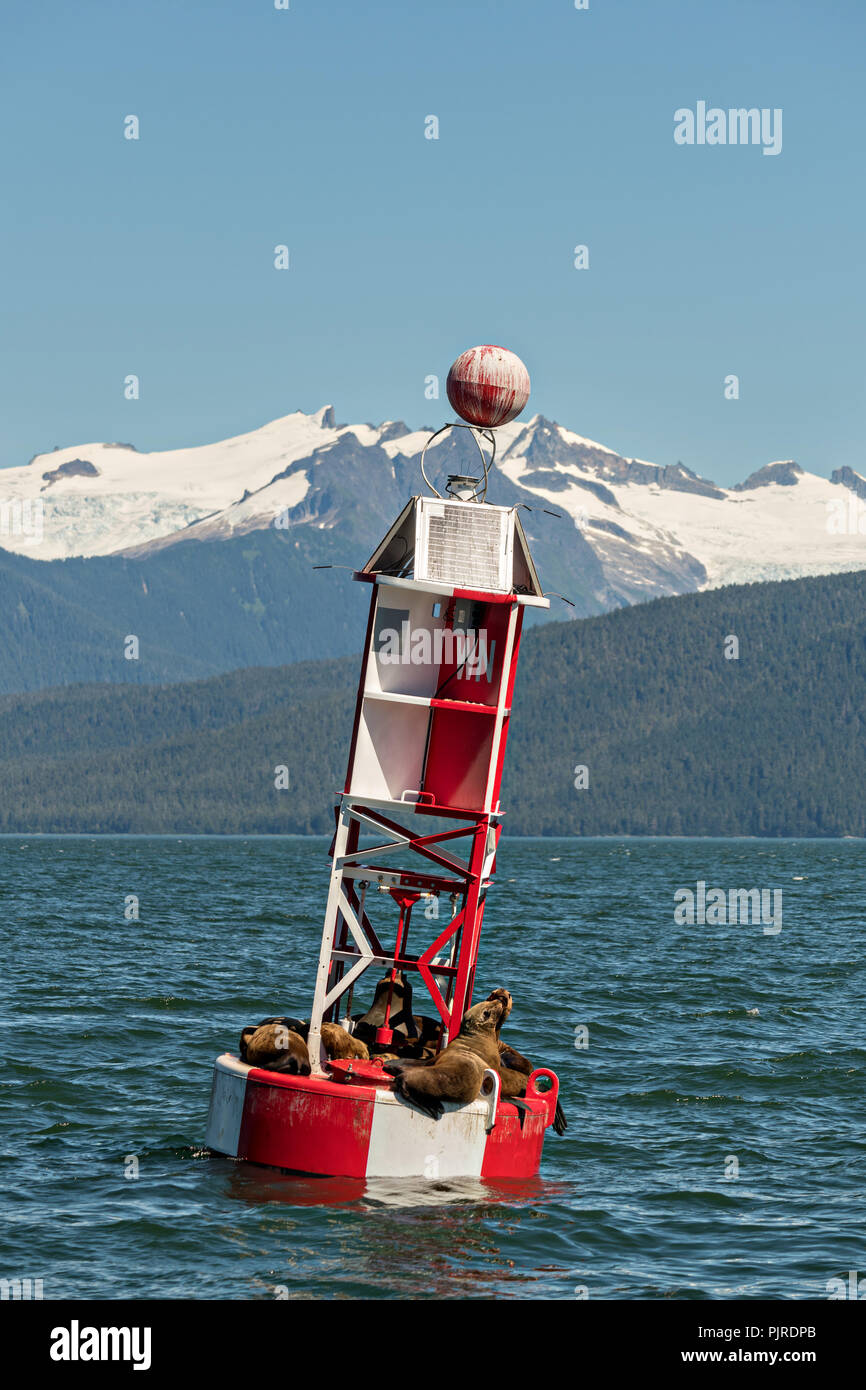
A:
314	1125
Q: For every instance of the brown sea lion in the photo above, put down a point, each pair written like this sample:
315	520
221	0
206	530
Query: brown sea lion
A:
400	1019
428	1028
297	1025
457	1072
274	1047
514	1068
420	1049
275	1041
338	1043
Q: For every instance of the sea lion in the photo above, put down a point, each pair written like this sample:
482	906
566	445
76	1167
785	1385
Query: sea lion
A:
338	1043
274	1047
417	1050
428	1028
457	1072
335	1040
400	1019
514	1068
297	1025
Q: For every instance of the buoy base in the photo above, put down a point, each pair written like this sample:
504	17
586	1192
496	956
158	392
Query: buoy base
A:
320	1126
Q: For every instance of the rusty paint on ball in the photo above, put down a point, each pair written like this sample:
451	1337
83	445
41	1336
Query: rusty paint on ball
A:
488	386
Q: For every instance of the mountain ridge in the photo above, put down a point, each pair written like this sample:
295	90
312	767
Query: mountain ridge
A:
290	469
207	554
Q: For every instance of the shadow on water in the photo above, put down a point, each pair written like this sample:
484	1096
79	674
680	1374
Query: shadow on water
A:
256	1186
387	1237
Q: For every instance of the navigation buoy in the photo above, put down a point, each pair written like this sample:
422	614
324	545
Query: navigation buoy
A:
449	586
488	386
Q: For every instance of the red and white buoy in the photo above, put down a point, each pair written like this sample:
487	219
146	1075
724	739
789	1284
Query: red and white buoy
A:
449	584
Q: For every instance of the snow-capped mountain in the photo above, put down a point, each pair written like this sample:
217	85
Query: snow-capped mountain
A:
629	529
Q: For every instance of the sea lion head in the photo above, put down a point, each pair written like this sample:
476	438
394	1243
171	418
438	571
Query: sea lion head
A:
504	996
401	990
484	1017
400	1015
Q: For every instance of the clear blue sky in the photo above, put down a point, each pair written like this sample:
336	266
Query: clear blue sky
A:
306	127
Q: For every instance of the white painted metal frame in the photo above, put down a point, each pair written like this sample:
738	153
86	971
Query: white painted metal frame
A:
337	904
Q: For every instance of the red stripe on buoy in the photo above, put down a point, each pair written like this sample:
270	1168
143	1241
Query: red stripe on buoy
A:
308	1124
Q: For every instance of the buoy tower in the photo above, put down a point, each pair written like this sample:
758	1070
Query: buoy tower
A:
417	828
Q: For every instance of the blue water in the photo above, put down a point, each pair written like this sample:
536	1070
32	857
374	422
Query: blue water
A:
110	1028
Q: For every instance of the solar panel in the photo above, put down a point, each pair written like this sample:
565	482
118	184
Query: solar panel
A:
463	544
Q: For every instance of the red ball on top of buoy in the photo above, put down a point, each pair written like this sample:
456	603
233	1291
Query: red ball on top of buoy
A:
488	386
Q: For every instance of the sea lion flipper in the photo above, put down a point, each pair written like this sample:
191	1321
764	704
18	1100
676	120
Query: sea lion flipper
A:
397	1065
521	1107
428	1105
560	1123
425	1104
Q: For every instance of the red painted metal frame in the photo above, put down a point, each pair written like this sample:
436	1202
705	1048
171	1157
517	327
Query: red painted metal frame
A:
466	878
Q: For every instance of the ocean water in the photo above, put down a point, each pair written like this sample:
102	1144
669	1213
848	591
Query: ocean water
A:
715	1146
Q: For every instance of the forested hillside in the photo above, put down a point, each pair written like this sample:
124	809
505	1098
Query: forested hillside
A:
196	610
206	607
675	737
